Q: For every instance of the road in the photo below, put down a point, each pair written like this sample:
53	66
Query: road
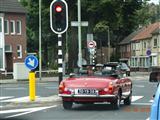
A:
53	110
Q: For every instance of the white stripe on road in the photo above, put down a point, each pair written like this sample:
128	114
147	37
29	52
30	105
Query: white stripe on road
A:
141	104
52	88
21	99
151	101
25	111
7	97
135	98
148	119
140	86
18	88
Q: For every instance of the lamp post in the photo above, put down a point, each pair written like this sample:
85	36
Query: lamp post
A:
40	45
79	35
108	43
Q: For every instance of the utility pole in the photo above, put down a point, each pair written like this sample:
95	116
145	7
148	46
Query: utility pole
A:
40	44
109	45
79	35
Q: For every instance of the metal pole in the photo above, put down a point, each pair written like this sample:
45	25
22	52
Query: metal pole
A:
60	58
79	35
40	47
108	45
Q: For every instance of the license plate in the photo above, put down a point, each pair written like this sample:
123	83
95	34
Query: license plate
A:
86	91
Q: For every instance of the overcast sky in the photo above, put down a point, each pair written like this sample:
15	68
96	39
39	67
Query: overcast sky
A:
154	1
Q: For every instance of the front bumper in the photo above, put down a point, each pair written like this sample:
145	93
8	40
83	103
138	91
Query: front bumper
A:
87	96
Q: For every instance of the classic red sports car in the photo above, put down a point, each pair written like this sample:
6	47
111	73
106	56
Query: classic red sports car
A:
110	86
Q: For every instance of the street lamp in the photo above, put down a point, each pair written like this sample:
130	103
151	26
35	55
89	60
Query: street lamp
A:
79	35
40	45
108	43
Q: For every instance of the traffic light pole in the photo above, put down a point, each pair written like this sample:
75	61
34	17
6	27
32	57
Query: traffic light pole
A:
60	58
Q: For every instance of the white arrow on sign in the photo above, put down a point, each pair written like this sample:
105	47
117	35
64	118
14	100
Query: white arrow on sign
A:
31	62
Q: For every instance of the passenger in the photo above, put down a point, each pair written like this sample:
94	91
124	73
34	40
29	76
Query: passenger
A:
89	70
99	68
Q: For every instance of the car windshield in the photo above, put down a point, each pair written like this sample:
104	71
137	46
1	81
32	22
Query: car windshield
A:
124	66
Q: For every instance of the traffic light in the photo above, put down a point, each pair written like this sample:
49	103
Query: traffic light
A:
59	16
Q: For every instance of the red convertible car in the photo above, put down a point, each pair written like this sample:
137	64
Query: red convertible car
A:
84	88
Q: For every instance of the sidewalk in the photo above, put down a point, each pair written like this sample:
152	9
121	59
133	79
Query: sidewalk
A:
55	79
44	79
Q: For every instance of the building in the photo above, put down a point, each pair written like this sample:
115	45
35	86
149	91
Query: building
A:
145	48
12	34
125	47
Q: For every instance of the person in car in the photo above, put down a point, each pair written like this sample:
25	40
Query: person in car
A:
90	70
99	68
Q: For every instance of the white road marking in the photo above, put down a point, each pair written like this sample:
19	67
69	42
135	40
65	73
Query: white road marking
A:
18	88
151	101
141	104
148	119
51	87
140	86
21	99
25	111
7	97
135	98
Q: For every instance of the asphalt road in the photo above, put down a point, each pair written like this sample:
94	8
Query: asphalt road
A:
139	110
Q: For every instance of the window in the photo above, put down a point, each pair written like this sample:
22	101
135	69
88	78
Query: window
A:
155	43
6	27
12	23
19	27
154	61
19	51
145	45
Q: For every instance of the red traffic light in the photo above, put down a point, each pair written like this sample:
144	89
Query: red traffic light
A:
58	8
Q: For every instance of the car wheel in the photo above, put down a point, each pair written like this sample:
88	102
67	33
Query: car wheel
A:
67	105
128	100
116	103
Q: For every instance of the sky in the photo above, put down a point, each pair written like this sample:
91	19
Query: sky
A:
154	1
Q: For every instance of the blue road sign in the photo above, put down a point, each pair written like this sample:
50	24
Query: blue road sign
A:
148	52
31	62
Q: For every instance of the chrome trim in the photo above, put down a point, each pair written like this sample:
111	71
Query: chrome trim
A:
86	96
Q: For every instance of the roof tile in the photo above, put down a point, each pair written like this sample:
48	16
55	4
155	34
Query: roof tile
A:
11	6
146	32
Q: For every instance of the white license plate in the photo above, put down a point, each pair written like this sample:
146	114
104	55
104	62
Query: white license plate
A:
86	92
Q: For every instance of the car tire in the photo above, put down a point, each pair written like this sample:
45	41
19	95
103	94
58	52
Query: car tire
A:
67	105
128	100
116	102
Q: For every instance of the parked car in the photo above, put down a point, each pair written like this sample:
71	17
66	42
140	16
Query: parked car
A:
155	109
126	68
82	88
123	67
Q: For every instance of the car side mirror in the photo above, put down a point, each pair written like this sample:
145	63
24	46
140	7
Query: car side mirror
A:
154	76
72	75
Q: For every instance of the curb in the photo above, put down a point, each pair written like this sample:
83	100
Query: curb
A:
38	102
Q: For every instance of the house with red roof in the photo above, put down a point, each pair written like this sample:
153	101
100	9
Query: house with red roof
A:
145	48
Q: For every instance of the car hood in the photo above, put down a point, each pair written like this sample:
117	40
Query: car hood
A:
88	82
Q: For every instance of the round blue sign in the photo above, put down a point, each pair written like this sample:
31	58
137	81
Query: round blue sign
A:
148	52
31	62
